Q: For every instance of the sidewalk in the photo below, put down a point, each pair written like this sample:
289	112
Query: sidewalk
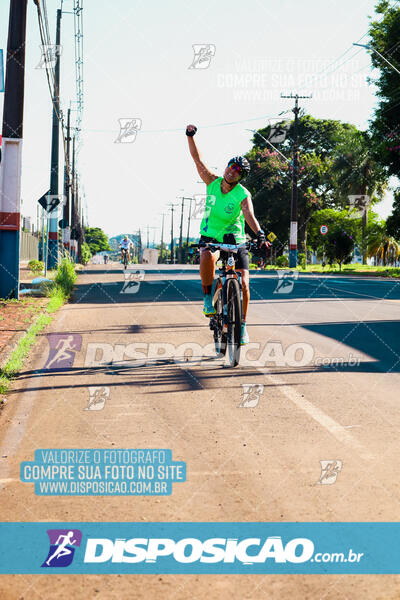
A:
16	317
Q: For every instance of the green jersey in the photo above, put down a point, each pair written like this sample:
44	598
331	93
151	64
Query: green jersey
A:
223	212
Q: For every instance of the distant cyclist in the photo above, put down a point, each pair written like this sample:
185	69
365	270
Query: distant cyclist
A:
126	245
228	206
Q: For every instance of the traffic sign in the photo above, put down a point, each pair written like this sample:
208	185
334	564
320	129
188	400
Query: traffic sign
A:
324	229
271	236
49	202
43	200
63	223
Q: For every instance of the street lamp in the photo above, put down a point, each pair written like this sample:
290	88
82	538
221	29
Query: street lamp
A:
370	47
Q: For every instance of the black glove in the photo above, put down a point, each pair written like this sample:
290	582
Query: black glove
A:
191	132
261	239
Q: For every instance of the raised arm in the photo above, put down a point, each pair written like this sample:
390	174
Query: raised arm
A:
206	175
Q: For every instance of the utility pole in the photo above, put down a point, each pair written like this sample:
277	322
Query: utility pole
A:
73	207
78	202
295	168
140	246
180	230
53	221
148	234
162	238
10	179
188	230
43	235
172	235
67	189
172	231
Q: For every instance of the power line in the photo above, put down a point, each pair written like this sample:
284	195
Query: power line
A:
343	54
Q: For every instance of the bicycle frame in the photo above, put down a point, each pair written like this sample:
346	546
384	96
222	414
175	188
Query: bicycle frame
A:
227	330
227	271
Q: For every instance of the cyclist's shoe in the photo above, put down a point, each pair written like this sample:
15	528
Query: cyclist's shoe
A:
244	338
208	308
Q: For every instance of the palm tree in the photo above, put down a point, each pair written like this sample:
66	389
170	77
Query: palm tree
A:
386	249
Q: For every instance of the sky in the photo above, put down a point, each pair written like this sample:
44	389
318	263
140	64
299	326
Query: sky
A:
141	62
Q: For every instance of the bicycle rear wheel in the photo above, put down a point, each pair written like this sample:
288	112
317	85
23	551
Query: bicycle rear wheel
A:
234	322
217	321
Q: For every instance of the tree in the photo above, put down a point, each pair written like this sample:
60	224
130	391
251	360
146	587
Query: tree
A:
357	173
85	253
333	163
343	232
386	250
96	239
393	221
340	246
385	35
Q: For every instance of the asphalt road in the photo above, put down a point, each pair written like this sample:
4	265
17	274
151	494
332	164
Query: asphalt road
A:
324	364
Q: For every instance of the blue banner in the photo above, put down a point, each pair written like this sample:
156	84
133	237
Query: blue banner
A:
208	548
1	71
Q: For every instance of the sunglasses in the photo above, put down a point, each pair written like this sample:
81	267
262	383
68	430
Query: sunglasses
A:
235	167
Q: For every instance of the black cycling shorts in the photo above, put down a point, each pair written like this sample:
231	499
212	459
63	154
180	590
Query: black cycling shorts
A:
242	256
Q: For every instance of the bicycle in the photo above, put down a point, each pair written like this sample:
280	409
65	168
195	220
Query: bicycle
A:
227	300
125	257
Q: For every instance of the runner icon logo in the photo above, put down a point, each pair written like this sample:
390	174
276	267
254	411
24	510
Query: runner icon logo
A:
251	394
329	471
48	59
128	129
286	281
62	349
97	397
62	547
132	281
203	54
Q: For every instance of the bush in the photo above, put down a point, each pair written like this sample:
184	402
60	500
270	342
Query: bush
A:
36	266
65	277
302	260
282	261
86	255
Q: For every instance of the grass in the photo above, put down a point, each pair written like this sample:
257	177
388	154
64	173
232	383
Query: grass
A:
346	270
356	270
17	358
58	293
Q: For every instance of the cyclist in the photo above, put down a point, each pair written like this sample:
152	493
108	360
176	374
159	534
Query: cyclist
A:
125	246
228	206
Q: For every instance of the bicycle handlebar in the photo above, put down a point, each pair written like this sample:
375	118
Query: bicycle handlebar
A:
226	247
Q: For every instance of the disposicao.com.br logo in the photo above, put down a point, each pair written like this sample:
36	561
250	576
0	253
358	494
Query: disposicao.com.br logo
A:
191	550
202	548
62	547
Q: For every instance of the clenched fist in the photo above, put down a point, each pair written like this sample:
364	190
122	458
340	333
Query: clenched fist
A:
191	130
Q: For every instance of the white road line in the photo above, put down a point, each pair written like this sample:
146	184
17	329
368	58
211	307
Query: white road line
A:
334	428
358	294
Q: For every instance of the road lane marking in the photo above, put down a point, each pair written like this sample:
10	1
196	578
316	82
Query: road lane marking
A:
334	428
358	294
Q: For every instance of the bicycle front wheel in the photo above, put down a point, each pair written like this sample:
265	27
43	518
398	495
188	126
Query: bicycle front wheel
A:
234	321
218	320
